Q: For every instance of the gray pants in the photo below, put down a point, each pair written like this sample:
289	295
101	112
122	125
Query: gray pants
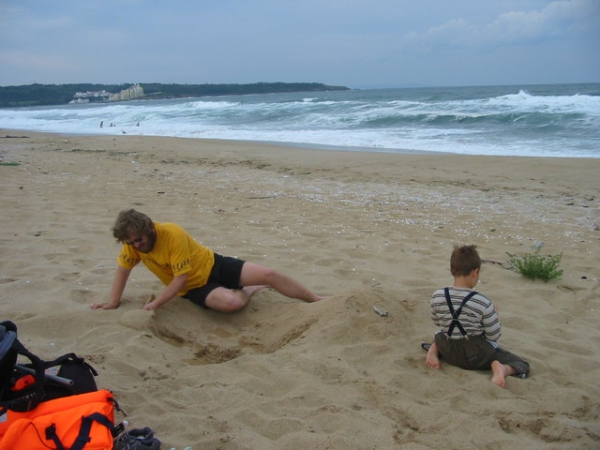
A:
476	353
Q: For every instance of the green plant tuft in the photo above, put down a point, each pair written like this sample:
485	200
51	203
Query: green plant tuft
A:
9	163
534	266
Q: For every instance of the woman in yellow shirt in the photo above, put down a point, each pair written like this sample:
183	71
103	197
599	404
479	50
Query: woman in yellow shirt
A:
189	269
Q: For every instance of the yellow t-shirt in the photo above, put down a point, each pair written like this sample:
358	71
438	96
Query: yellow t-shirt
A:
175	253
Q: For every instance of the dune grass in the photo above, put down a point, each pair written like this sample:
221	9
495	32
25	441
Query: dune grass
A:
535	266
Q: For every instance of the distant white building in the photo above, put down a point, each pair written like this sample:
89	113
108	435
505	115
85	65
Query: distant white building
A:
86	97
135	91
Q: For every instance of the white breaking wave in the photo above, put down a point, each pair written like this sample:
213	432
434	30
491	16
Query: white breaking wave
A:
494	120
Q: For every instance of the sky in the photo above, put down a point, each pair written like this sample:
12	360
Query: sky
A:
353	43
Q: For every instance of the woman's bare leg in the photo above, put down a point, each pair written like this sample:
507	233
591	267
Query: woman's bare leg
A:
231	300
255	274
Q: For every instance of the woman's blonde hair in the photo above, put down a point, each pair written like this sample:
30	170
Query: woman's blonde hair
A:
130	221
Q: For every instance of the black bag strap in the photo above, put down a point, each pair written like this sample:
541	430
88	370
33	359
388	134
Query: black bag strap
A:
70	357
455	322
83	437
51	435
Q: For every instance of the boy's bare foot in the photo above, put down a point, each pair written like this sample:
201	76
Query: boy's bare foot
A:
500	372
432	359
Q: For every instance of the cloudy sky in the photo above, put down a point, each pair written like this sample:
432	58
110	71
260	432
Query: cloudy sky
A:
355	43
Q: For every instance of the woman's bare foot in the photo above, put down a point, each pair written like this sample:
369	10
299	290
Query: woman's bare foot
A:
432	359
500	372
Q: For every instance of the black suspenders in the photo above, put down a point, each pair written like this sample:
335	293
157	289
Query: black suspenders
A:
455	315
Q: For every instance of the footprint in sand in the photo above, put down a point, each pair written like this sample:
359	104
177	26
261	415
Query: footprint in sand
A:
67	276
7	280
81	296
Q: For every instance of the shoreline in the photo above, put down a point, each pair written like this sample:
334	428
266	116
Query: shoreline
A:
300	145
305	146
367	229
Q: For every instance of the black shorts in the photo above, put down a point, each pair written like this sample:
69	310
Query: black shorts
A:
226	273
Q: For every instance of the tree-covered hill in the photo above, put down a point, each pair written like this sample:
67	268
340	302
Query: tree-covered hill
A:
60	94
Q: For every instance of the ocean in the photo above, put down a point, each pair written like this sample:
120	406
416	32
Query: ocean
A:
536	120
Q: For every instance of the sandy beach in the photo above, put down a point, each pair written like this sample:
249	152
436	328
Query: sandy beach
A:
367	229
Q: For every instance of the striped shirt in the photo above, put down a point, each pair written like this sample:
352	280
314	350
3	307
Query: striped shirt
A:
478	316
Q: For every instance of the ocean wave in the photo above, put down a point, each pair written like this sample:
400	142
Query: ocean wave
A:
560	121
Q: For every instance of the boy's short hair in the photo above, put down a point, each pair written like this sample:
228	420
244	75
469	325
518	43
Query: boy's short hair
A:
464	260
130	221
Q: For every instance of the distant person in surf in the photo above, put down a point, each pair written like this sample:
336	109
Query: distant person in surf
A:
189	269
469	327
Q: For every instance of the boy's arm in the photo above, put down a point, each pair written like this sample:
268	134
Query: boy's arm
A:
116	291
169	293
492	328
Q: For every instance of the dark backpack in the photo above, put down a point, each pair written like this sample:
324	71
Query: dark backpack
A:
24	386
8	355
18	393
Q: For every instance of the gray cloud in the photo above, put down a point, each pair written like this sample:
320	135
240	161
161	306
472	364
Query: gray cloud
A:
352	42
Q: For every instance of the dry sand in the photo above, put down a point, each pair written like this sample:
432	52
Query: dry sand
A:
370	230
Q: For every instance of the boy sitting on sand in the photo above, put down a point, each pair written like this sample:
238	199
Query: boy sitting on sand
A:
469	325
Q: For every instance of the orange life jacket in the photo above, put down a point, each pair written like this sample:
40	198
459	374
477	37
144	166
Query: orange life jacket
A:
76	422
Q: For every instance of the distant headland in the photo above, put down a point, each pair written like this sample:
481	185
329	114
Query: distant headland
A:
62	94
